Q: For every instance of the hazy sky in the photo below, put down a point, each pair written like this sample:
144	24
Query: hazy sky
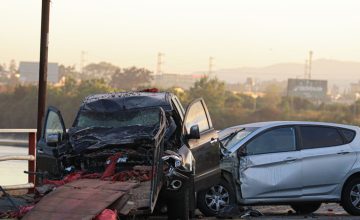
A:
131	32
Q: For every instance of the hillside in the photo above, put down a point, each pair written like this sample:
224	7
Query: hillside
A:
337	72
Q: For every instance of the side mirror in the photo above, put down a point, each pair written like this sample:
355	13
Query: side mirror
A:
53	139
194	132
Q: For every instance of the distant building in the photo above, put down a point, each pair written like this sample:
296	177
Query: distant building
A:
249	84
29	72
168	80
355	88
315	90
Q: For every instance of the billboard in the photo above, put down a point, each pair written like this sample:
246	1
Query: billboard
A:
29	72
307	88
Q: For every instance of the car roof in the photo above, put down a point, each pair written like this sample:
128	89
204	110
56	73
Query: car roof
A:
261	126
127	100
269	124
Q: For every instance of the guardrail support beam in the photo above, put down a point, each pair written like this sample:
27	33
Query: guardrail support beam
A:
32	164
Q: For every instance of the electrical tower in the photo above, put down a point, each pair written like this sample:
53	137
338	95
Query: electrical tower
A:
306	69
308	66
310	63
159	63
211	65
82	61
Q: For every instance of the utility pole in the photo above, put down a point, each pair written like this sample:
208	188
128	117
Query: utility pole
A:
159	63
211	60
44	41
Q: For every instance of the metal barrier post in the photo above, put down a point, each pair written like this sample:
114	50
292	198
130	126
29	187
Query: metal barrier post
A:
32	164
31	157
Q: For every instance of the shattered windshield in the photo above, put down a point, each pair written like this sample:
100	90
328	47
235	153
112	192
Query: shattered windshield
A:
234	136
134	117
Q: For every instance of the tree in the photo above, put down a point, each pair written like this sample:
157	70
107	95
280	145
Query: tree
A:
102	70
130	78
70	86
92	86
233	102
183	95
272	96
214	93
12	67
68	71
212	90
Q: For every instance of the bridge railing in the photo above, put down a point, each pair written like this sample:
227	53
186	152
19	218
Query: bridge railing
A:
30	157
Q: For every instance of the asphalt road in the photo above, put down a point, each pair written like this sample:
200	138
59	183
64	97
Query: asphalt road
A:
326	211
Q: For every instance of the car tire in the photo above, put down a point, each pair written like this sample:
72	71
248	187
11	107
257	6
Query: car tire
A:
179	208
305	208
350	196
215	198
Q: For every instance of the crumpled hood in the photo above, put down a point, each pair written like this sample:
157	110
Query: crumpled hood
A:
92	138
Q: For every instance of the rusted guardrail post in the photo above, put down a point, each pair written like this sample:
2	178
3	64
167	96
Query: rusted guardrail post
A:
31	157
32	163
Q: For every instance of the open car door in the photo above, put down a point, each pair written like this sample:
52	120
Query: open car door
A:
203	142
51	143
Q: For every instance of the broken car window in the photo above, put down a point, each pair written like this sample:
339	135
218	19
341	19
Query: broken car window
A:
123	118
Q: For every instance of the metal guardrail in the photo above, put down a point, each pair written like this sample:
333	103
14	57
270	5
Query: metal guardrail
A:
31	158
29	186
17	157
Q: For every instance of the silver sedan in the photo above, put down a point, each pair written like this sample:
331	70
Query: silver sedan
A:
302	164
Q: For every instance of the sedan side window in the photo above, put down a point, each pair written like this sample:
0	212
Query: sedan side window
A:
276	140
348	134
317	136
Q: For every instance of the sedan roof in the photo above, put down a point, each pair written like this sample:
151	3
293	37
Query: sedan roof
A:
269	124
261	126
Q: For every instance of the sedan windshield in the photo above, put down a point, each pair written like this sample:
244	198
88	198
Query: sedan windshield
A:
230	138
124	118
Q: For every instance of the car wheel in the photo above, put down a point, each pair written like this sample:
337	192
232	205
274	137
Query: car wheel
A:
350	198
305	208
215	198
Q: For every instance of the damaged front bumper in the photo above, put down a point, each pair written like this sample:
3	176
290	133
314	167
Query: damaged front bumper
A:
179	169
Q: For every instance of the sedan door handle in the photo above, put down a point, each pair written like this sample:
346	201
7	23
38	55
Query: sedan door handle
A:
343	152
290	159
214	140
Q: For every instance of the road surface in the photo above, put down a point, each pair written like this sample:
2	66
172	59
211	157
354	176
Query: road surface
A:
326	211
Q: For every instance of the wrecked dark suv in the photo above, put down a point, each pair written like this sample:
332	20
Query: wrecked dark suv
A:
144	136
